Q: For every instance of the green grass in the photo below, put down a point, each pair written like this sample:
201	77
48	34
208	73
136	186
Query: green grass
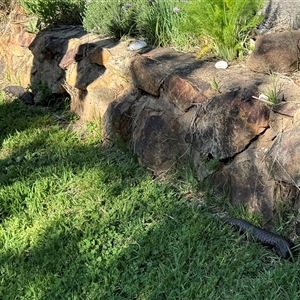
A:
79	221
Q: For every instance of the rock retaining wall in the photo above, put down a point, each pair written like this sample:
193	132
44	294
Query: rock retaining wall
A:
168	107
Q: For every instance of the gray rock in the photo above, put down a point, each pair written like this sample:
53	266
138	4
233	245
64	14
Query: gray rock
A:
275	52
20	93
284	157
281	14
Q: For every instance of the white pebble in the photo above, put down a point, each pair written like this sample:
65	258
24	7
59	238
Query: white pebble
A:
221	64
263	97
137	45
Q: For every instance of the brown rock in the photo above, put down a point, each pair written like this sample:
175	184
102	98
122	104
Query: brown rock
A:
228	134
149	72
156	140
25	39
227	123
275	52
246	179
75	52
118	119
100	56
284	157
104	90
83	73
183	93
288	109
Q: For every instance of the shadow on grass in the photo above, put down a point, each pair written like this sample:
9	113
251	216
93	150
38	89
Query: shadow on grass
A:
79	221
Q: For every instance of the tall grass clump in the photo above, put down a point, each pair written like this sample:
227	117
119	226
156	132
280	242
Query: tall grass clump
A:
223	25
114	17
160	23
55	12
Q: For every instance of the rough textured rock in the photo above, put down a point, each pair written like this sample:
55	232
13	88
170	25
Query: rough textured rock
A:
160	132
118	119
184	93
281	14
276	52
284	157
149	72
227	123
249	180
21	93
162	104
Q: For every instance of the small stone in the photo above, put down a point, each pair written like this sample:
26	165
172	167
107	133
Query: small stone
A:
263	97
137	45
221	64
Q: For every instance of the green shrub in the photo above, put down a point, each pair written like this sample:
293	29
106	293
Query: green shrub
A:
160	23
55	12
112	17
225	24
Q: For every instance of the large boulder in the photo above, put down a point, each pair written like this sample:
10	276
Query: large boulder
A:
275	52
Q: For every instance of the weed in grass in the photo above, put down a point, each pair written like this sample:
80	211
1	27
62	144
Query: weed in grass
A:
42	92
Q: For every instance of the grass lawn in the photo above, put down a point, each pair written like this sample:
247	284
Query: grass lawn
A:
80	221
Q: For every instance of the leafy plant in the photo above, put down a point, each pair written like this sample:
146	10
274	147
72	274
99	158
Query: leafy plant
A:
225	23
55	12
272	93
213	164
44	96
33	26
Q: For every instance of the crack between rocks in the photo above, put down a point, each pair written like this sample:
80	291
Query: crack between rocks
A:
228	160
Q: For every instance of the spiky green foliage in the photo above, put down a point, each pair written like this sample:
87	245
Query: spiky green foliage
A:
157	21
55	12
224	23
